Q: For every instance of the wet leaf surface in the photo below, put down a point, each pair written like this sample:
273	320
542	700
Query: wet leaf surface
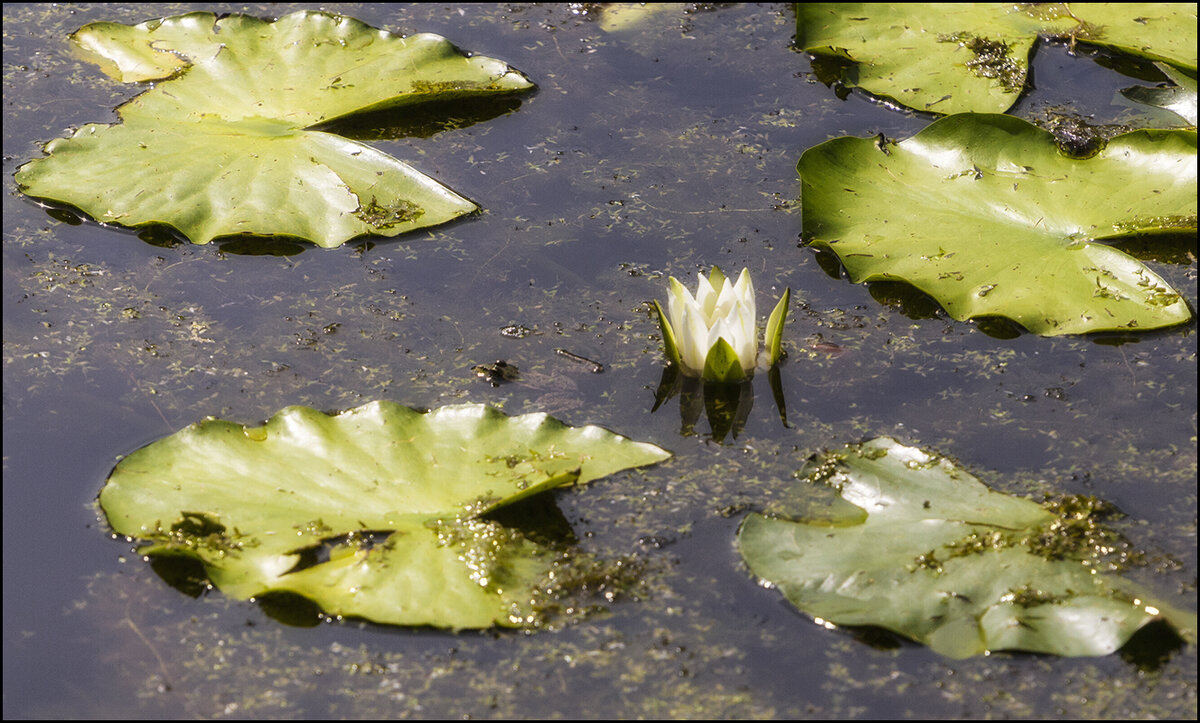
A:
373	513
224	145
929	552
985	214
974	57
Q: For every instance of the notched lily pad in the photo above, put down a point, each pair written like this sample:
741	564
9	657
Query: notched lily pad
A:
381	512
1179	98
974	57
929	552
985	214
227	142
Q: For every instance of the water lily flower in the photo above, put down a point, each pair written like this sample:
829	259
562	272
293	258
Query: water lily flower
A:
712	334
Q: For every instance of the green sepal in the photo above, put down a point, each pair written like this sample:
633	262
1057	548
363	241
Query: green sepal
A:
668	335
773	339
722	364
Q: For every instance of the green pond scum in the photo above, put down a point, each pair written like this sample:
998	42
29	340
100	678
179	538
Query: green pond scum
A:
993	59
654	152
384	217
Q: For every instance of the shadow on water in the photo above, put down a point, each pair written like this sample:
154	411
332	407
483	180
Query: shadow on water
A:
422	120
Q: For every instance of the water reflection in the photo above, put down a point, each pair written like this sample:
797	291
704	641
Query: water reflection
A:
726	406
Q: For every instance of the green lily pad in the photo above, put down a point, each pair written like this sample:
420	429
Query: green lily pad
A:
986	215
1179	98
226	143
929	552
255	505
961	57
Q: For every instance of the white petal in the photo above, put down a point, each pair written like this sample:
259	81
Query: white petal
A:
706	297
748	349
678	300
693	344
747	343
727	303
745	291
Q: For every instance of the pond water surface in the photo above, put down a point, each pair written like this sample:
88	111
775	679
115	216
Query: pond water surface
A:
656	150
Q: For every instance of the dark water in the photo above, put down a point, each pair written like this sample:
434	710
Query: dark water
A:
650	152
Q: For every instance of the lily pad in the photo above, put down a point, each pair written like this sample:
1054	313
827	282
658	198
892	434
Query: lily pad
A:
1179	98
986	215
929	552
258	505
960	57
226	143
